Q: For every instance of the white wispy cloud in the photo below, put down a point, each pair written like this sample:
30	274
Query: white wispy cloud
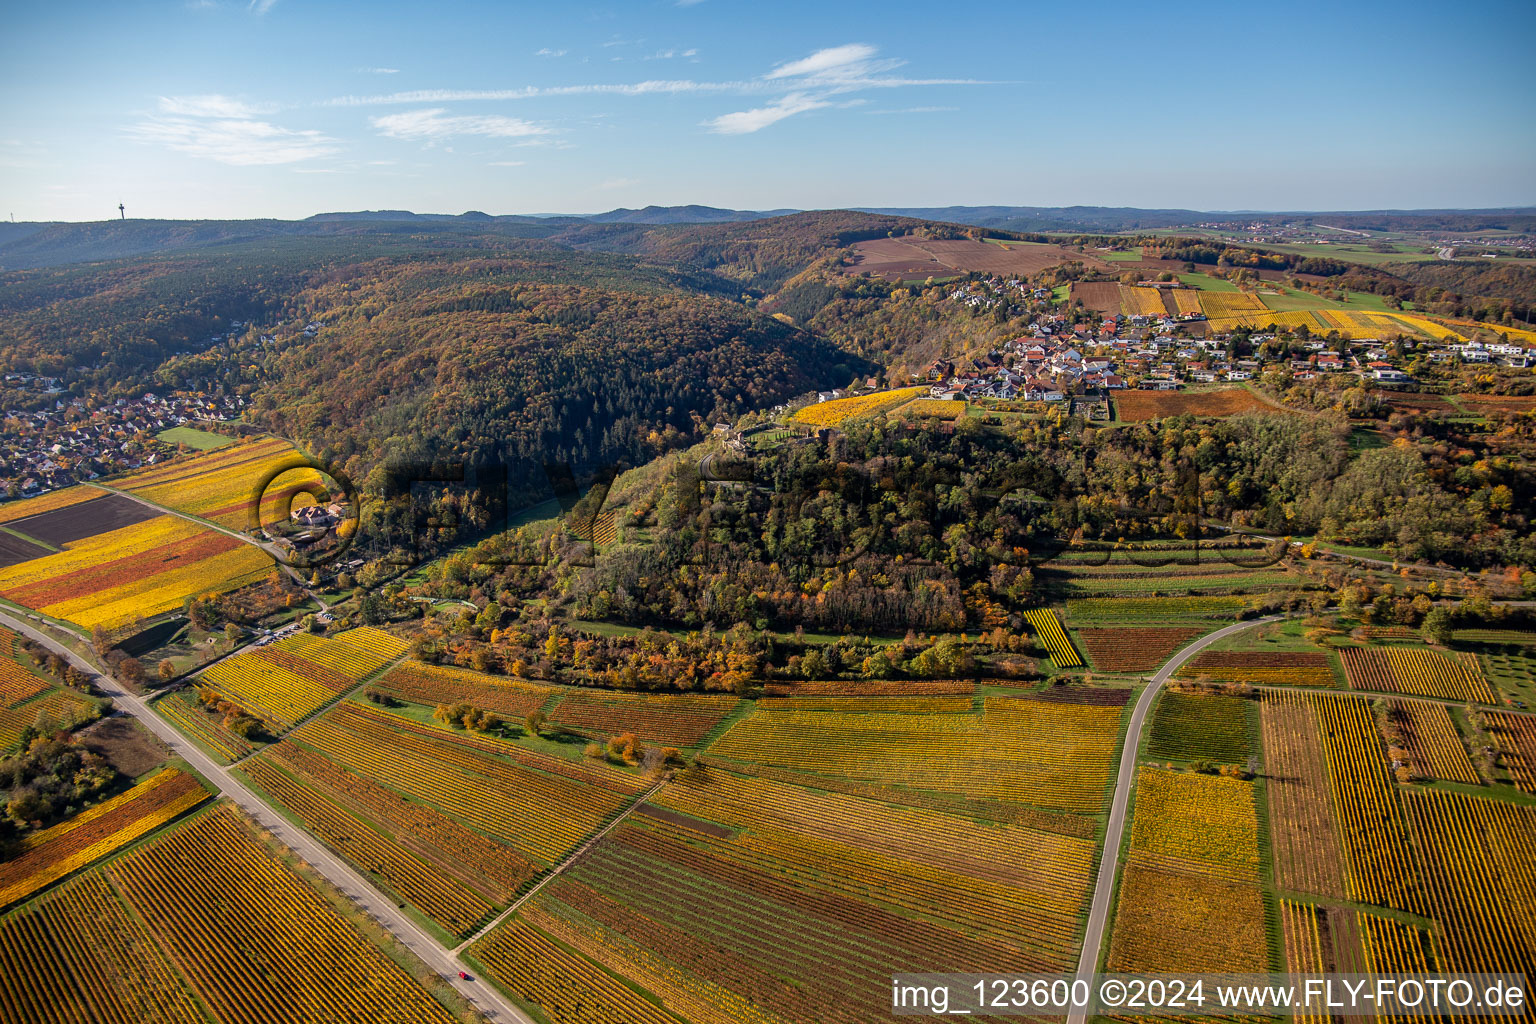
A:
547	52
529	92
435	124
834	60
243	142
380	71
262	6
670	54
797	86
743	122
212	105
815	80
508	163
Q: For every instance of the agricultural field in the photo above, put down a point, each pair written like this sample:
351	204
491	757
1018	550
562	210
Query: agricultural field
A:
45	857
1467	851
244	929
1142	302
203	724
27	697
1302	828
726	884
538	804
1139	406
419	683
292	679
1474	851
676	720
1418	671
201	440
11	511
1049	753
1262	668
1508	661
221	486
1499	403
452	824
1190	893
122	573
1195	726
103	965
1151	610
1066	578
1181	301
1225	304
54	705
1348	323
1053	637
935	408
841	410
1378	865
1428	735
1103	296
913	258
1515	736
871	688
1134	649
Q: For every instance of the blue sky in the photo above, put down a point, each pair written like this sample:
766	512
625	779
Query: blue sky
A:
284	108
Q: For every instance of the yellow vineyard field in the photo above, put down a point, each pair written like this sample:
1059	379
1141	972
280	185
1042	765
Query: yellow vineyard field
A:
1053	636
841	410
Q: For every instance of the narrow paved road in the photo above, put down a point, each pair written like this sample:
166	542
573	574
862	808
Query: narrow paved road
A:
340	874
1104	887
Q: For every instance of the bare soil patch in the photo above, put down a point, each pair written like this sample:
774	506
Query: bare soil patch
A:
125	744
87	519
1415	403
1103	296
708	828
14	550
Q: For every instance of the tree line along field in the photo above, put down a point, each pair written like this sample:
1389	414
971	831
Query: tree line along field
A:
677	720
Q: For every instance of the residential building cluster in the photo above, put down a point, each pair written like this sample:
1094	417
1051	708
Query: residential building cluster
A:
79	440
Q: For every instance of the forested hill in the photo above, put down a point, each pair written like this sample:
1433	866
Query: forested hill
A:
437	344
476	361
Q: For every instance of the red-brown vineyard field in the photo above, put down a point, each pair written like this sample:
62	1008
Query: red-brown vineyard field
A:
1134	649
913	258
1138	406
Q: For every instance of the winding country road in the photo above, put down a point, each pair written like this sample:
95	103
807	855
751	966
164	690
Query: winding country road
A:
340	874
1104	887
